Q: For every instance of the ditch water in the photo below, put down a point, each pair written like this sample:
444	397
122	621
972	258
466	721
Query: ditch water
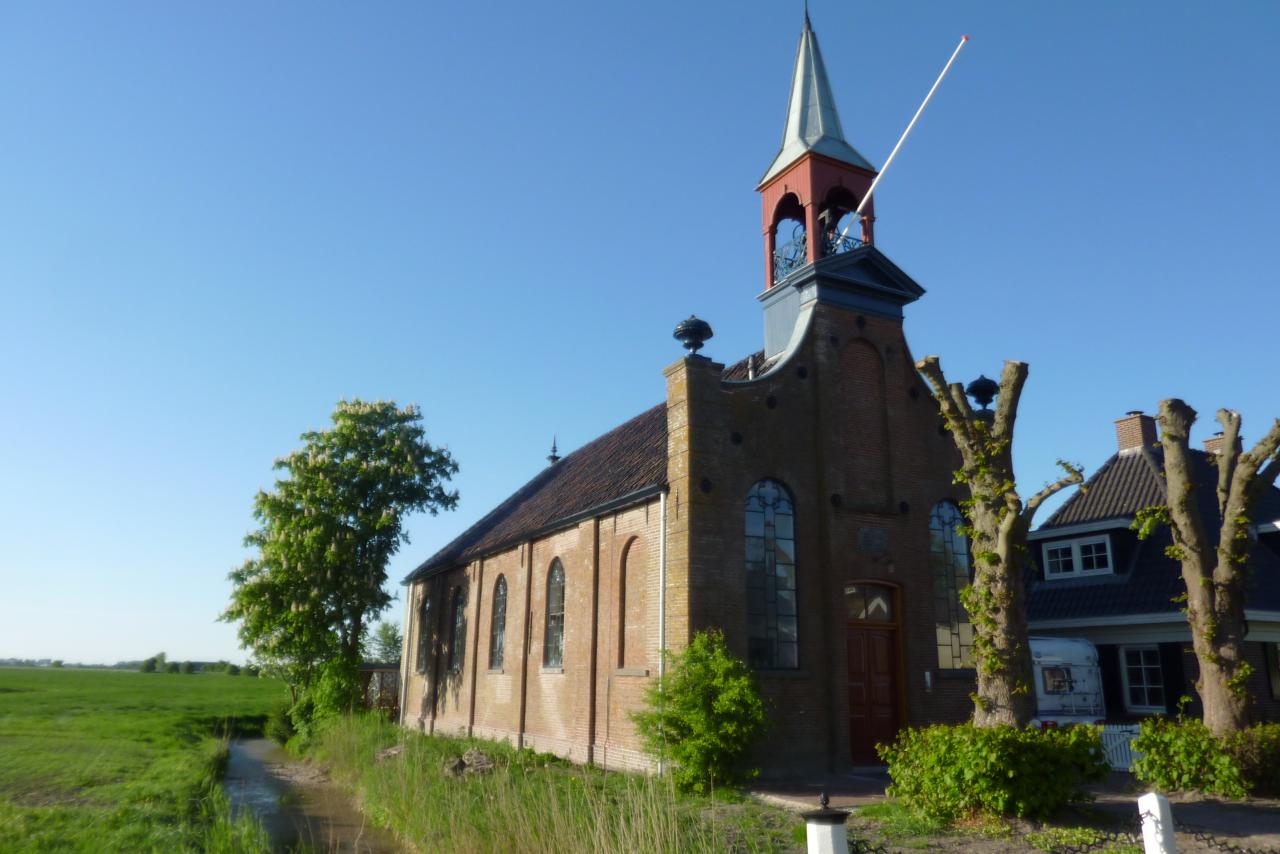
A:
297	804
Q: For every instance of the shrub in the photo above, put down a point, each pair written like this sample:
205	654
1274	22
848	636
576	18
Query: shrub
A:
945	773
1256	751
233	670
148	666
705	714
171	667
188	667
279	727
1183	754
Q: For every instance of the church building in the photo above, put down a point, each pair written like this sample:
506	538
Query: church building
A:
800	500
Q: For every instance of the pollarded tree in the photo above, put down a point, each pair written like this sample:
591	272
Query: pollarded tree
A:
327	532
1215	571
999	522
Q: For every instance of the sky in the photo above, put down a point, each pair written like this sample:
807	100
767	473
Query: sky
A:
217	220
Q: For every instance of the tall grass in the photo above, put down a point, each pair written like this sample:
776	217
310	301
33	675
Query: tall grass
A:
531	802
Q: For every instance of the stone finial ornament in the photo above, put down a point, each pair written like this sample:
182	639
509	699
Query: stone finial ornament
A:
693	333
983	390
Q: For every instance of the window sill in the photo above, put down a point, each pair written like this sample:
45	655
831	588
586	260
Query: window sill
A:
631	671
551	670
1146	710
782	674
957	672
1065	576
496	671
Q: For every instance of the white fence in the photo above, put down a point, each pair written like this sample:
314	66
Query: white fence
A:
1117	744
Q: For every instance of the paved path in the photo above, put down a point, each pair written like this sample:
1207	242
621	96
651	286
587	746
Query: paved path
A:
1253	823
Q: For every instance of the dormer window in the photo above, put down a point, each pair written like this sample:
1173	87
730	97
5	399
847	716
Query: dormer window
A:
1075	558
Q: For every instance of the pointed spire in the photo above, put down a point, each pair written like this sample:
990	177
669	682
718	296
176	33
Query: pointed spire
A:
813	124
554	456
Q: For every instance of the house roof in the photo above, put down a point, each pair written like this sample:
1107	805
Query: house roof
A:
813	124
1146	584
1148	580
626	461
1132	480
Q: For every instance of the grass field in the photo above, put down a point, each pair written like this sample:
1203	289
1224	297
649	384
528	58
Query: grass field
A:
99	760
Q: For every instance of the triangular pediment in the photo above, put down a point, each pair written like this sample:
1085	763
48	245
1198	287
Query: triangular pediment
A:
866	270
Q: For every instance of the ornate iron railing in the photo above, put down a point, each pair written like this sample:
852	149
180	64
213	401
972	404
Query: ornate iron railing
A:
790	256
834	244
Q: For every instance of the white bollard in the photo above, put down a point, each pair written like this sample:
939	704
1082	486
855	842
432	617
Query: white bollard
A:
825	831
1157	824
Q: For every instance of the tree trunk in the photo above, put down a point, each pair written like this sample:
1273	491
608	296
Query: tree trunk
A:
1216	575
996	601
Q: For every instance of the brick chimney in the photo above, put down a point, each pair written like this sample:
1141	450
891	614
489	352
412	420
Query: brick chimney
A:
1136	430
1213	444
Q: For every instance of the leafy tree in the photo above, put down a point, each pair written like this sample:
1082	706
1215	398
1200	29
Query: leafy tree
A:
1214	570
999	522
57	662
188	667
327	531
148	666
233	670
172	667
384	643
706	714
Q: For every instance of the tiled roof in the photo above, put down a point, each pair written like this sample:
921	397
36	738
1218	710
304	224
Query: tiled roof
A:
1124	485
1132	480
740	369
1145	583
624	461
1145	579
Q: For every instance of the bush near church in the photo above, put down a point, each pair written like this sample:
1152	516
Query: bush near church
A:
946	773
1182	754
706	714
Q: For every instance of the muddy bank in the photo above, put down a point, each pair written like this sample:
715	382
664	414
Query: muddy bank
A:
297	803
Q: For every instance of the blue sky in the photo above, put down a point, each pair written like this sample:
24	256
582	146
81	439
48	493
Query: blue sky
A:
218	219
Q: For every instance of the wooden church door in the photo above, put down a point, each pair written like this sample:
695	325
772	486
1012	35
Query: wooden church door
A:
871	643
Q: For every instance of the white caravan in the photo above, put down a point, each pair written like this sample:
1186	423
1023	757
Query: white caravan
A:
1068	682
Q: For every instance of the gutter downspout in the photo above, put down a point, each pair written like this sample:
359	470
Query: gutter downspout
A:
526	635
662	594
475	649
595	640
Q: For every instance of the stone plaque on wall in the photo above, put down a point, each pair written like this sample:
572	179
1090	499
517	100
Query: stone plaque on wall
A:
873	541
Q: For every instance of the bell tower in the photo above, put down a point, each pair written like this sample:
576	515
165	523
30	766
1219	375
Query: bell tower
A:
817	180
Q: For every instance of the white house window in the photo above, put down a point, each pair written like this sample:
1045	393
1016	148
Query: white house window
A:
1074	558
1143	680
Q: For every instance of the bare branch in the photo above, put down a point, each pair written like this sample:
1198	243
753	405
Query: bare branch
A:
1175	421
1074	474
1255	472
1011	380
954	403
1228	455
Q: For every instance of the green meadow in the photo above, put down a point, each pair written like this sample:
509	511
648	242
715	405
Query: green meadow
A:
102	760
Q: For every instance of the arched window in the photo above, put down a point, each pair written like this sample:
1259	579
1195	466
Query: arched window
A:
553	636
424	634
772	634
949	561
631	605
458	636
498	625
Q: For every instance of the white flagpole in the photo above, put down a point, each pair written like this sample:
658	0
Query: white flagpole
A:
903	138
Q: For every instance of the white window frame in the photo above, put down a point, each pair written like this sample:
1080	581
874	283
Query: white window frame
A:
1124	679
1077	569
